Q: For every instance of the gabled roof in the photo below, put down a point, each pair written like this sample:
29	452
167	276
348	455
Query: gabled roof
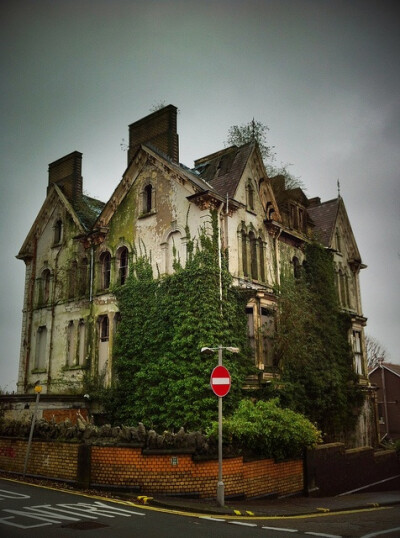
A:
83	213
143	152
394	368
224	169
324	217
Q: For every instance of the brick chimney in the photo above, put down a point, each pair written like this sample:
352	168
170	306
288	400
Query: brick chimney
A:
158	129
66	173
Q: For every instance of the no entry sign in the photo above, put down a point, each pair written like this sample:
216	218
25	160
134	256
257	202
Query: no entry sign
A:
220	381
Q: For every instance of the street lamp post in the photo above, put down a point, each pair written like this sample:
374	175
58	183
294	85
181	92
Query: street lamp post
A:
220	485
38	390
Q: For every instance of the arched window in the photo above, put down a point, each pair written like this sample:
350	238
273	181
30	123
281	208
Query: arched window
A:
123	265
45	286
250	195
253	256
244	253
58	229
104	329
105	265
148	198
262	259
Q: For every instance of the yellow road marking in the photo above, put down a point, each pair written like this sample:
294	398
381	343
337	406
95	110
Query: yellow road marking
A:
198	514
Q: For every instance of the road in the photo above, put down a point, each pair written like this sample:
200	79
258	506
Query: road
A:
37	511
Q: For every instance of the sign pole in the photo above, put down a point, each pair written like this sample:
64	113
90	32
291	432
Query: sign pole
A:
220	486
38	390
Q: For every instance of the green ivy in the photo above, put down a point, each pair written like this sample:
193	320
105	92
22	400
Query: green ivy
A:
162	378
313	350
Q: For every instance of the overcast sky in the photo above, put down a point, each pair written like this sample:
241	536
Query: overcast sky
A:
323	75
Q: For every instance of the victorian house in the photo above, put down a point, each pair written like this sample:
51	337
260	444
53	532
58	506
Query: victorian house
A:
79	248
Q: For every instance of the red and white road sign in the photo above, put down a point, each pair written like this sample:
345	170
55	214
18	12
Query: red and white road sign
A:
220	381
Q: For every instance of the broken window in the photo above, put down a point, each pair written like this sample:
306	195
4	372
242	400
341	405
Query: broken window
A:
250	327
244	253
148	199
357	351
41	343
81	342
253	256
250	195
267	332
123	264
45	286
104	329
58	229
71	344
105	263
262	259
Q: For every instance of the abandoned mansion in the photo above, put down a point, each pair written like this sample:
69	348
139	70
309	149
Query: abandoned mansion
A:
80	248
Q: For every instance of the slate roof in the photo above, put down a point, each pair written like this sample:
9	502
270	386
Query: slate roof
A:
224	169
324	217
87	210
191	174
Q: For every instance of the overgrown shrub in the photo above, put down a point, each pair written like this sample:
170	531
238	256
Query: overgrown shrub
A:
265	429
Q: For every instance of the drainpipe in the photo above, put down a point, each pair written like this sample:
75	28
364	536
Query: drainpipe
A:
220	254
384	397
91	274
278	258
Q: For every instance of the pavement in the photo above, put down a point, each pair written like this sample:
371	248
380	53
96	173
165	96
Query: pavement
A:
283	507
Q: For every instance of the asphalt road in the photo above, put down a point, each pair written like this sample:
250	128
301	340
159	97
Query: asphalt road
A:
36	511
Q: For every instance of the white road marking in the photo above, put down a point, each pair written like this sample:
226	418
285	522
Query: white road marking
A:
212	518
5	494
279	529
323	535
243	524
380	533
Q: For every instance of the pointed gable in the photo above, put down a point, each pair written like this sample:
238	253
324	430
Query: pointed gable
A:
324	216
224	169
83	218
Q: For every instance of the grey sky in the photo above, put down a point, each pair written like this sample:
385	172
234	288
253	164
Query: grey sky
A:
323	75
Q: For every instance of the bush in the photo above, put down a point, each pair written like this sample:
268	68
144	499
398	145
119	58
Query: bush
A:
267	430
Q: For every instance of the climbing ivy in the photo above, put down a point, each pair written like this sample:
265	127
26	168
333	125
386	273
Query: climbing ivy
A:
313	351
162	378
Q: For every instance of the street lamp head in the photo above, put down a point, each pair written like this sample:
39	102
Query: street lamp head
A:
207	350
212	349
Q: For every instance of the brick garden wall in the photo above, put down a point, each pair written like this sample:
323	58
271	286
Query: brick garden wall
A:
150	472
46	459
